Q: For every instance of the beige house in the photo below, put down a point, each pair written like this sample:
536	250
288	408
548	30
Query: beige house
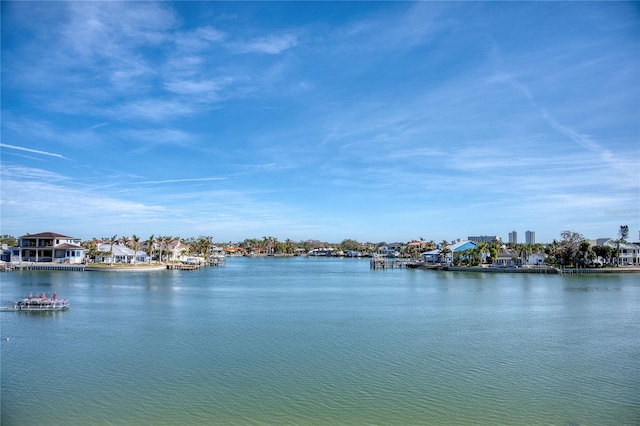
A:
50	247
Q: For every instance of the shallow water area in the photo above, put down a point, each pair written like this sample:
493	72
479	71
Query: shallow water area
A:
318	341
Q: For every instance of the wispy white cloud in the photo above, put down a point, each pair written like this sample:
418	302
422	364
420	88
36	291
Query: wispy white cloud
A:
111	29
198	39
584	141
18	173
97	126
34	151
210	90
155	110
271	44
157	182
420	106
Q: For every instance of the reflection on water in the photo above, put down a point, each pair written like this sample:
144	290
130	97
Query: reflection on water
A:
317	341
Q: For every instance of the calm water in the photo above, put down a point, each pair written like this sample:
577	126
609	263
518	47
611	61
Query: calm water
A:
321	341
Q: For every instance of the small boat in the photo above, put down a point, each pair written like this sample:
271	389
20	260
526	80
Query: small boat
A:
41	303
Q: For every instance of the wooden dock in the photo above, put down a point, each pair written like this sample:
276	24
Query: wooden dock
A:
386	263
217	261
183	266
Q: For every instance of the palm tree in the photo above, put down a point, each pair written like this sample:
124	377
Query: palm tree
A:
125	241
290	247
524	251
483	248
553	252
164	246
623	234
149	244
112	241
444	248
136	246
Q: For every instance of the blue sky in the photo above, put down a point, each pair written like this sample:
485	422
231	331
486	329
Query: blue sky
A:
376	121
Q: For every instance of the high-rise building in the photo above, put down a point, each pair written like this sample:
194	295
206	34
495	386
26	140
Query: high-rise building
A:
530	237
483	238
513	237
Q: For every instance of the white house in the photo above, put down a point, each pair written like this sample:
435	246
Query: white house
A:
512	259
121	254
431	256
629	252
535	259
507	260
387	251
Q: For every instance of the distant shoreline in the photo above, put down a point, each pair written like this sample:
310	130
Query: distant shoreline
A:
145	268
537	270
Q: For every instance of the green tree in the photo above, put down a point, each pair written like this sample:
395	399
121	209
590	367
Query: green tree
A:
623	233
585	255
604	252
92	248
444	250
569	246
9	240
483	248
112	241
552	252
279	247
290	247
135	242
525	251
350	245
201	246
150	242
164	247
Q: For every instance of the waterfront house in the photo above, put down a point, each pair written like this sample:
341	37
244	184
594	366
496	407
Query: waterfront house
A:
535	259
507	260
9	252
50	247
390	250
387	251
462	245
176	249
432	256
629	253
120	254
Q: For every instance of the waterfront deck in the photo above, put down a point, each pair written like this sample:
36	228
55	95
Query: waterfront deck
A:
217	261
37	266
183	266
386	263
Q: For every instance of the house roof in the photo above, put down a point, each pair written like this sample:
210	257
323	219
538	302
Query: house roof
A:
66	246
48	235
417	244
507	255
611	242
462	245
119	250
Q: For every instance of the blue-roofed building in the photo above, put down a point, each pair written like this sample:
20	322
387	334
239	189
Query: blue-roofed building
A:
433	255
